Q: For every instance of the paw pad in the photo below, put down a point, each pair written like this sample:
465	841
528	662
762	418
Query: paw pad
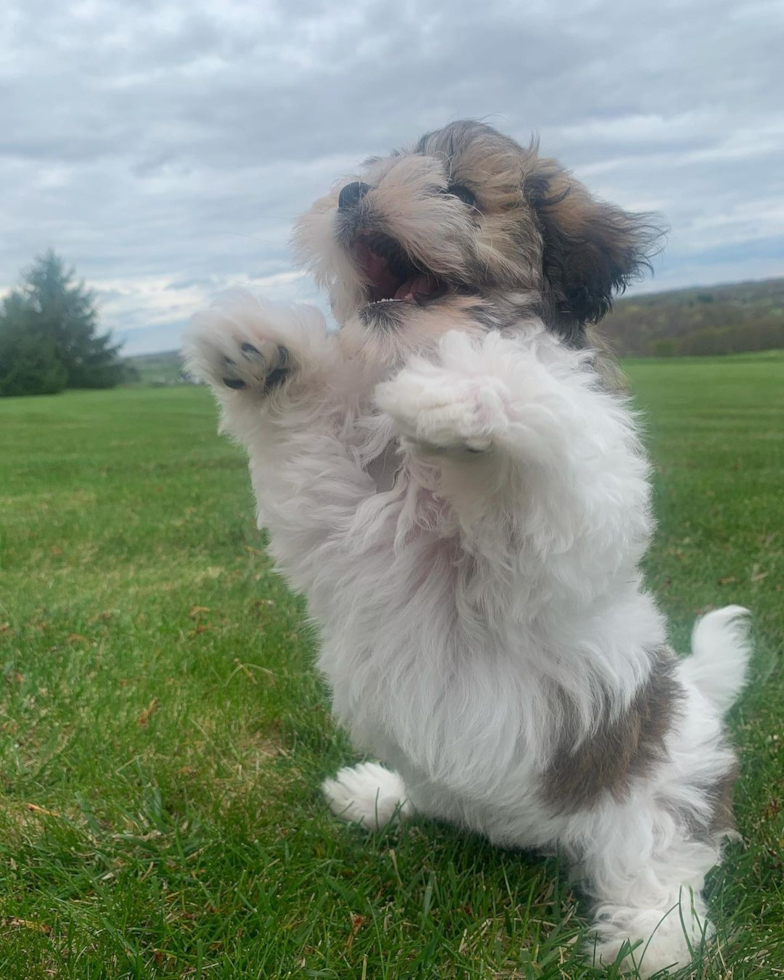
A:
266	369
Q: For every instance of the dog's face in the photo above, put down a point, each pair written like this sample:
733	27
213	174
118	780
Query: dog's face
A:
470	224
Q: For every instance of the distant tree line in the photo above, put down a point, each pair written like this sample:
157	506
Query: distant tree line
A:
693	322
49	337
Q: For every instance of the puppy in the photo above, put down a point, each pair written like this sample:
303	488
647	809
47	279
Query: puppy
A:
460	492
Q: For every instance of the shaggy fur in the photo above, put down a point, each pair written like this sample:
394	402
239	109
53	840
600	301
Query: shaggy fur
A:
465	503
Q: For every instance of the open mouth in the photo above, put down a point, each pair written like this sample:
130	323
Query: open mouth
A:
390	273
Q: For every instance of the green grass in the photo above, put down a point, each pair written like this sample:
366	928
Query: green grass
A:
163	735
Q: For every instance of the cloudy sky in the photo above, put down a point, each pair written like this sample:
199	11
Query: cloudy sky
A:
164	147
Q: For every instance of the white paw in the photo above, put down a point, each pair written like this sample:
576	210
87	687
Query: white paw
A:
241	343
665	940
443	410
367	794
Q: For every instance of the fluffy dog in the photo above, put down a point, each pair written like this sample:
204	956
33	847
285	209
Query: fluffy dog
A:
456	486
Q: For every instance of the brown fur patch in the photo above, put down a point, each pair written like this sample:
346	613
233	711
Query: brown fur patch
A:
721	819
619	750
591	249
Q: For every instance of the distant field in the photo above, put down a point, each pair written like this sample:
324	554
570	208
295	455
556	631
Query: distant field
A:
164	734
158	369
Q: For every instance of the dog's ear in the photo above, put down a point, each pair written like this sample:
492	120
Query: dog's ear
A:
591	250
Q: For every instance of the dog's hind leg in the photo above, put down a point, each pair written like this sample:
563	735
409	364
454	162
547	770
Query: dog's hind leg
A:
367	794
646	871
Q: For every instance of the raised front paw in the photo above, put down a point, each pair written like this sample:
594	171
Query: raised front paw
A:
261	366
443	410
242	344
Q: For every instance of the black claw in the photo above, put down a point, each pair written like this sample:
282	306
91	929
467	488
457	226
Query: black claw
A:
275	378
235	383
249	349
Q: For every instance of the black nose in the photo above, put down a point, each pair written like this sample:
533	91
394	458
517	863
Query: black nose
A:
352	194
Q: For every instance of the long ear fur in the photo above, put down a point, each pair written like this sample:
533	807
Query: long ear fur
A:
592	250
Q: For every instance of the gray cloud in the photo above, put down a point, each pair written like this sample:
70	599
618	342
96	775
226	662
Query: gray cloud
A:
165	148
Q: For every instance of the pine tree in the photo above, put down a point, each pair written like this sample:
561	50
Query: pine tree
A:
28	364
48	334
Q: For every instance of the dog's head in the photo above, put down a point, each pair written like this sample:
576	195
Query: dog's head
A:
468	220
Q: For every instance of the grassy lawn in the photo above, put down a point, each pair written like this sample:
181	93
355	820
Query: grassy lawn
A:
162	733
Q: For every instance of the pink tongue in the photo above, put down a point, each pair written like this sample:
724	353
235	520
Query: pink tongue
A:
421	285
377	270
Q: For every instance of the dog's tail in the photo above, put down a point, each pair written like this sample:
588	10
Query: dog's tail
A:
721	649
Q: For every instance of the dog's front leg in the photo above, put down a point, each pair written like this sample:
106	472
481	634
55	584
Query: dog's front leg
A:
276	373
441	409
246	350
528	443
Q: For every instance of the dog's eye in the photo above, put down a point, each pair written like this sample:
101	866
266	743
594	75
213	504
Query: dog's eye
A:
466	196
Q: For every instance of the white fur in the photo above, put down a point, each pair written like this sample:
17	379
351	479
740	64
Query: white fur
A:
367	794
453	604
720	655
495	579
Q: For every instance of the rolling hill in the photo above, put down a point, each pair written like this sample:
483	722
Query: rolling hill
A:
731	319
